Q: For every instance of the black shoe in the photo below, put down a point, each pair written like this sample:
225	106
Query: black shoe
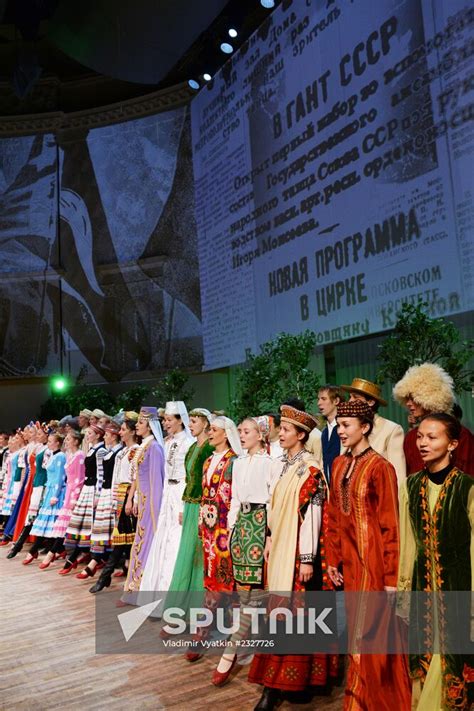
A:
13	553
100	585
268	700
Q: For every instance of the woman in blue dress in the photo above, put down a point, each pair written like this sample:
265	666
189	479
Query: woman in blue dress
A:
53	498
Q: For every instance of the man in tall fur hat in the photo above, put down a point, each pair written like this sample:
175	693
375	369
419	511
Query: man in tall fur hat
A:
425	389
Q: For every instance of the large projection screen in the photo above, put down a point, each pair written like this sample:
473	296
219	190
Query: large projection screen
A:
333	163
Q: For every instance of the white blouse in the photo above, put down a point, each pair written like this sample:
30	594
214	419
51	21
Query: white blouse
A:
215	459
276	450
176	448
122	466
253	480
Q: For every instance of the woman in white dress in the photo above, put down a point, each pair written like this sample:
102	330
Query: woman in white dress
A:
164	550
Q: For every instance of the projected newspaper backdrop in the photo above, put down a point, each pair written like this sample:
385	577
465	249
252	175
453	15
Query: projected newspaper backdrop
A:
333	166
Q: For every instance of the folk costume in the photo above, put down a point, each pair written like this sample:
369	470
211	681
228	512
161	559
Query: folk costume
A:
18	514
79	530
296	523
123	534
188	574
125	472
104	518
214	510
150	482
386	437
39	483
430	387
13	472
437	553
363	540
75	475
36	497
165	546
25	504
55	488
253	480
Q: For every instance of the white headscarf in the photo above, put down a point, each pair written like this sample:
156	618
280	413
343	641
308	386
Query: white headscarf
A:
177	407
225	423
157	431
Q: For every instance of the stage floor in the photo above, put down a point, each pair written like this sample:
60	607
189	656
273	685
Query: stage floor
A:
48	658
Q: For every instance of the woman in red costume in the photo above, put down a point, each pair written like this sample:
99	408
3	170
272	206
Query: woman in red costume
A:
363	554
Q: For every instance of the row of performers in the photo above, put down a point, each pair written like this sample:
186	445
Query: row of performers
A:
246	514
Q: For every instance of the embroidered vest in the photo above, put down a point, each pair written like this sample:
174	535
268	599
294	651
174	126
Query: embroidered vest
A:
442	554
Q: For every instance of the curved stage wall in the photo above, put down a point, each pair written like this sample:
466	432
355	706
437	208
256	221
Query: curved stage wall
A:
98	270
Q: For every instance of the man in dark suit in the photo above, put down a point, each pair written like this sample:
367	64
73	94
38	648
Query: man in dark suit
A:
326	448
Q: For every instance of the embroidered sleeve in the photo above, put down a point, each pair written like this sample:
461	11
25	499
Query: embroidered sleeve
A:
333	533
311	525
234	503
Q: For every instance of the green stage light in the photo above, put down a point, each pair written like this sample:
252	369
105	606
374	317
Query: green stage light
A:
59	384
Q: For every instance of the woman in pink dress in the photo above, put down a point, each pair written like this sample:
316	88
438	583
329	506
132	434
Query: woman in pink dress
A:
75	472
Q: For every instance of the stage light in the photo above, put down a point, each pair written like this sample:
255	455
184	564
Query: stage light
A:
227	48
59	384
268	4
232	32
206	77
193	84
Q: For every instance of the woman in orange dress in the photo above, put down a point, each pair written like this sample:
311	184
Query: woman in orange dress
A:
363	554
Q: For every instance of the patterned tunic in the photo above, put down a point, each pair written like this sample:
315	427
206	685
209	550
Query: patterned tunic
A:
213	528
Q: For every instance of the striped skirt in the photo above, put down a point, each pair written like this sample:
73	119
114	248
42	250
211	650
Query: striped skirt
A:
79	530
104	523
124	532
63	520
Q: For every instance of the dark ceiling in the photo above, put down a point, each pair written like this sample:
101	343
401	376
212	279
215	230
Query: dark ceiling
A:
97	52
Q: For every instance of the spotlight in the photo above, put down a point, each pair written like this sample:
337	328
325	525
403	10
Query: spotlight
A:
59	384
227	48
193	84
206	77
232	32
268	4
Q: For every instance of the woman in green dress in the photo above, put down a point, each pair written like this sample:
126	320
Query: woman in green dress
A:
188	574
437	554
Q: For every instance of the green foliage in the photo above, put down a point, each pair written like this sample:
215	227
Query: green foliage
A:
417	339
76	399
279	372
133	398
173	386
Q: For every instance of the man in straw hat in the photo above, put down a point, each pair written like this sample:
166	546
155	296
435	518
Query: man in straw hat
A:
386	437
